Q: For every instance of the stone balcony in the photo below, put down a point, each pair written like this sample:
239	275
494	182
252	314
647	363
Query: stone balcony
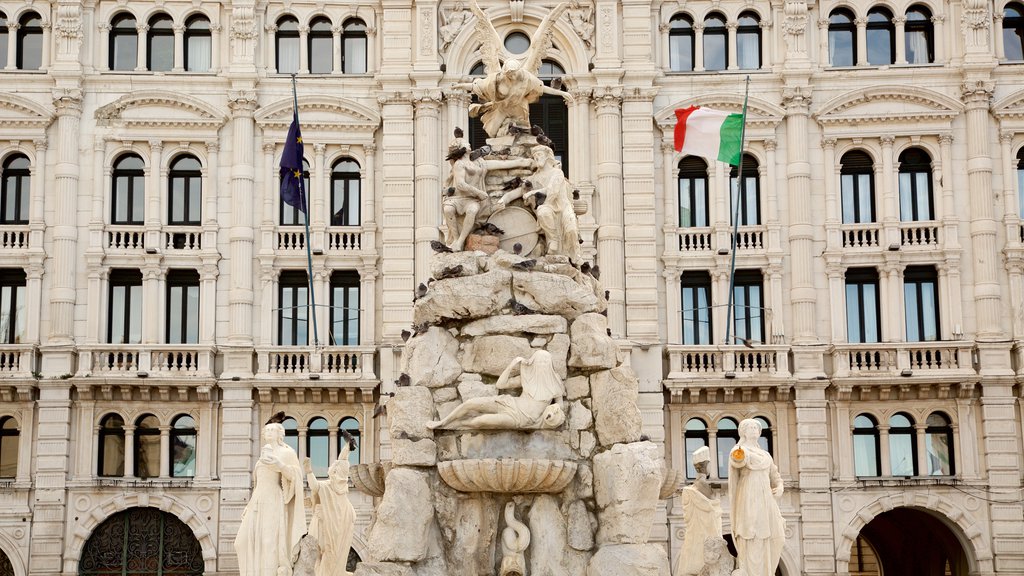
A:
904	360
333	362
182	239
124	239
695	239
923	234
336	239
14	237
146	360
688	362
864	236
707	239
17	360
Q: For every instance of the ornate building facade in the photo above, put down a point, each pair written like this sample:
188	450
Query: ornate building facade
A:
152	285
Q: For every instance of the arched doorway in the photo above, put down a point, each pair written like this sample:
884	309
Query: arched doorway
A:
907	541
6	568
142	542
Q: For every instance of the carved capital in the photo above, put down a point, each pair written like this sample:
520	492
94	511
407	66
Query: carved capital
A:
371	31
156	146
269	147
732	25
945	138
828	143
796	99
142	28
212	146
939	18
303	29
822	22
887	140
664	27
1004	137
668	147
270	28
40	144
178	28
899	20
394	98
428	99
319	148
242	100
860	21
13	26
607	96
977	92
770	144
67	99
103	27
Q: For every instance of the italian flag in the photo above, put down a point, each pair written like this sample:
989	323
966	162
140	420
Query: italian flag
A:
710	134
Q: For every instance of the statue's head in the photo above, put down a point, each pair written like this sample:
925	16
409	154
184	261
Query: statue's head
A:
750	430
552	417
273	433
701	457
511	65
542	154
340	469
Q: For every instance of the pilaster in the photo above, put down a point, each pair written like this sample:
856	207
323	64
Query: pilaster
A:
427	104
51	462
813	478
610	245
397	223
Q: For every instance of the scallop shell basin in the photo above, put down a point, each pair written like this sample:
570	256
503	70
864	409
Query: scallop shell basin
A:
507	475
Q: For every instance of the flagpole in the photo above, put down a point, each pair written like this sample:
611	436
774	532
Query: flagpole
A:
730	312
305	200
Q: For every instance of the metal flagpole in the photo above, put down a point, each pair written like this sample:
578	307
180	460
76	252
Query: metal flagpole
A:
309	253
730	312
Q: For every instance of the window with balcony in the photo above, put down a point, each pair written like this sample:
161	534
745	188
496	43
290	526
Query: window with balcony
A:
750	197
30	42
867	459
160	44
345	308
863	312
182	307
290	215
353	46
147	447
857	181
186	188
350	425
183	447
727	437
287	42
938	443
124	315
317	449
3	39
921	298
916	202
129	190
919	35
695	436
765	440
902	446
695	287
716	43
12	306
110	446
9	445
320	46
748	42
693	192
293	308
842	38
124	43
198	44
1013	31
881	37
748	306
14	195
291	433
345	193
681	41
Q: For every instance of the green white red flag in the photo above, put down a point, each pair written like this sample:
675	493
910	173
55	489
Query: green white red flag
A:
710	134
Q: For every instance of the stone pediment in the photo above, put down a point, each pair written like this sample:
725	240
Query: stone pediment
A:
1010	107
760	113
19	112
319	113
886	104
157	109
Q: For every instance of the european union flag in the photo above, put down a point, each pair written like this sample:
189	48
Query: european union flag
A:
292	192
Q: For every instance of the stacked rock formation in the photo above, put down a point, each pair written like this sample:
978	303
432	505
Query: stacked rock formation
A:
586	489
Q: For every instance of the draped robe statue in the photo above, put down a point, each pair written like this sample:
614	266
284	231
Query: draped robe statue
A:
702	515
334	518
758	529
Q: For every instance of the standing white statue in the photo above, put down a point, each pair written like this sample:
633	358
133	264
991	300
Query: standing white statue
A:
515	539
755	486
702	515
555	215
334	518
469	198
274	520
539	406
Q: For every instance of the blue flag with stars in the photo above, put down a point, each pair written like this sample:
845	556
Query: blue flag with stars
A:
292	192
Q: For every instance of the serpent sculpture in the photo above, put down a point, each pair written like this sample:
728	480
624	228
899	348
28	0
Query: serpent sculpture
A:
515	539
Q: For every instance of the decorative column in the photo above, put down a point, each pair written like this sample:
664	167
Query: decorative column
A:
37	215
142	54
151	300
770	173
303	431
371	49
862	41
428	157
179	47
833	214
336	47
368	180
129	452
922	449
610	250
581	168
44	60
997	19
215	47
12	44
837	298
823	57
901	42
1011	198
211	187
269	55
940	39
332	446
943	180
303	49
34	305
890	203
320	191
208	273
155	177
367	305
698	47
801	230
101	63
165	452
731	28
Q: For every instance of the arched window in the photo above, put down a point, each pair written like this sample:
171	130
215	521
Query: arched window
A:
842	38
8	447
765	441
693	192
695	436
1013	31
919	36
351	425
916	186
129	190
3	40
750	196
17	180
902	446
124	43
183	447
748	42
287	39
728	436
938	442
142	541
198	44
147	447
345	193
160	44
716	43
881	37
291	433
30	42
353	46
110	448
186	192
866	455
320	41
681	43
695	297
517	43
317	446
290	215
857	180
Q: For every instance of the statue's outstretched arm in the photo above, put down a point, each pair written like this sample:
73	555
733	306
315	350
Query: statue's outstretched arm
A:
569	99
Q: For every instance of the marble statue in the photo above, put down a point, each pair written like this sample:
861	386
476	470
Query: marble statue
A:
469	199
515	539
454	20
555	215
716	559
539	405
334	518
274	520
508	89
755	486
702	515
308	557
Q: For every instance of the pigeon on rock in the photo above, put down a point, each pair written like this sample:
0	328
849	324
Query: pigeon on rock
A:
439	246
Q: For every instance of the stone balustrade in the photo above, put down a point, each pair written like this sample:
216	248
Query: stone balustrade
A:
903	359
728	361
330	362
344	239
919	234
695	239
137	360
125	238
14	237
861	235
17	360
183	238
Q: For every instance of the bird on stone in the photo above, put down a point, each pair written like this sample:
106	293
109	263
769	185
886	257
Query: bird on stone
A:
545	141
406	334
450	191
609	331
421	291
536	130
450	272
458	132
595	271
381	407
556	83
512	184
418	329
518	308
348	438
403	380
525	264
517	130
489	229
439	246
585	267
517	248
277	418
538	199
607	294
575	194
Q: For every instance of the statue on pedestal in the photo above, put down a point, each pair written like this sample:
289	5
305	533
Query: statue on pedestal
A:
334	518
702	515
274	520
755	486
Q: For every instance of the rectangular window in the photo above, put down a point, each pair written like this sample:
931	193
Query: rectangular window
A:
345	308
345	201
748	306
915	197
321	55
863	316
186	200
293	309
693	202
161	52
124	315
858	198
715	51
124	48
12	306
696	312
750	205
287	54
921	297
841	47
680	52
354	50
183	307
129	199
865	450
290	215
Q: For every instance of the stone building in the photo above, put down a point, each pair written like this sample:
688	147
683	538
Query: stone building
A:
150	278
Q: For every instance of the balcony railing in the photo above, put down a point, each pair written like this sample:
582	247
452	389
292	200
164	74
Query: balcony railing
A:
727	361
156	360
750	238
126	238
334	362
344	239
14	237
919	234
695	239
183	238
902	359
291	239
861	235
17	360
